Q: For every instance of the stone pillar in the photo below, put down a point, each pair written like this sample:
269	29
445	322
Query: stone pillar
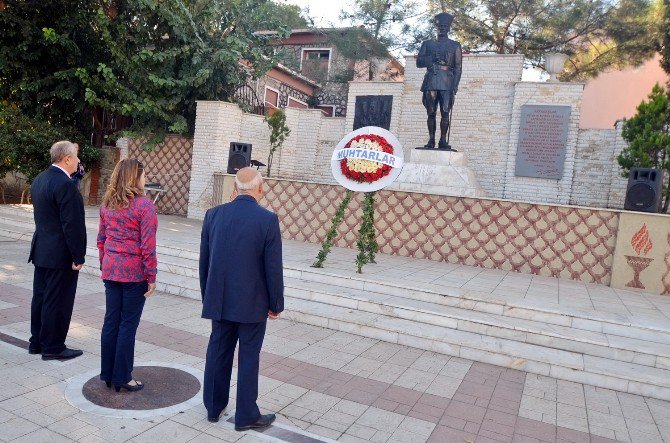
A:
122	144
618	183
298	156
217	124
540	189
394	89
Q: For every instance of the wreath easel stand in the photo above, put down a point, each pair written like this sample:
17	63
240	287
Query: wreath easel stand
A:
367	242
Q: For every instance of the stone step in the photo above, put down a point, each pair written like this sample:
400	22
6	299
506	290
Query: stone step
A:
597	371
184	261
588	328
589	347
588	320
529	331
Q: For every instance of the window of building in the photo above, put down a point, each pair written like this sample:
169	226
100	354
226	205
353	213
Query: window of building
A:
271	97
295	103
315	63
327	110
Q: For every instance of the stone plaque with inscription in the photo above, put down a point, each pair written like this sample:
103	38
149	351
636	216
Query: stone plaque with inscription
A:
543	136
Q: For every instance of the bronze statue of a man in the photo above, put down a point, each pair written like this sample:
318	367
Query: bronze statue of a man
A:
443	59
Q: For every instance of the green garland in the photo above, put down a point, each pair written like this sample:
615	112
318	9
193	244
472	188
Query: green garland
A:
367	243
332	232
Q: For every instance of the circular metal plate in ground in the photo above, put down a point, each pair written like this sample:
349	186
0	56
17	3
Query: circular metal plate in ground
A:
169	388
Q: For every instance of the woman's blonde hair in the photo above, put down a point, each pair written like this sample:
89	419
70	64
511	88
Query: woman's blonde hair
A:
123	185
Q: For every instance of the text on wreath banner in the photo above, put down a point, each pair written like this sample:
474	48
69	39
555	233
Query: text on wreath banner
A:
368	154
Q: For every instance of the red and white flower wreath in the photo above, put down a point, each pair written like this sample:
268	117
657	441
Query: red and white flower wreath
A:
362	170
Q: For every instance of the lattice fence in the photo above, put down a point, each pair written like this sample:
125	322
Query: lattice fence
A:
169	164
556	241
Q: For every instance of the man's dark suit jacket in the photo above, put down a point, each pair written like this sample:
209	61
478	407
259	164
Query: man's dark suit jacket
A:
241	271
60	225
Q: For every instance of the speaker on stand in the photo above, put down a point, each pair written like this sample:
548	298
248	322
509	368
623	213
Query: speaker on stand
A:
643	192
239	156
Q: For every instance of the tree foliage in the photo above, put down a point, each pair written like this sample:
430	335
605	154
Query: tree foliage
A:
648	136
25	142
165	55
147	59
378	27
597	34
665	38
278	133
42	43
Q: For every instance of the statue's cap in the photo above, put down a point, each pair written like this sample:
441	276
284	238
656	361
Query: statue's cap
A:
444	18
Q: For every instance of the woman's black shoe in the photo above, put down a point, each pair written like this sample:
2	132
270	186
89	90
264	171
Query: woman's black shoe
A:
109	384
129	387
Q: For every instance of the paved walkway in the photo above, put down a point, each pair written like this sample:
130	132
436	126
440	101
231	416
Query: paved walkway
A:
331	384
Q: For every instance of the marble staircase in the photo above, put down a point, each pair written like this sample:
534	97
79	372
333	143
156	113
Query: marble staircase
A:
629	353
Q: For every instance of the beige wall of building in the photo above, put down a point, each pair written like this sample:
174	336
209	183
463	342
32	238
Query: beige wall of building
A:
622	91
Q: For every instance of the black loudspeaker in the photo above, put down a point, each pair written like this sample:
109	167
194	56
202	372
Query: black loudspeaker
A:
239	156
644	190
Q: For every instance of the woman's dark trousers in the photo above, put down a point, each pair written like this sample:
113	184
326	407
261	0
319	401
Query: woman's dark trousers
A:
125	302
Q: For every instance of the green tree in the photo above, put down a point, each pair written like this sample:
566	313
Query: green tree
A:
597	34
379	25
165	55
648	136
290	16
665	40
41	46
147	59
24	143
278	133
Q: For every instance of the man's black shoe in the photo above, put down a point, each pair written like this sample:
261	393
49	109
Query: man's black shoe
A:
212	419
66	354
34	351
265	420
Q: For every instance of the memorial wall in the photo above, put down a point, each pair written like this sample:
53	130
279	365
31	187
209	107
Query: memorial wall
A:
513	153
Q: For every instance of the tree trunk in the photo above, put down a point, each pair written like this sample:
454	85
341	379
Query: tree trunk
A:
93	190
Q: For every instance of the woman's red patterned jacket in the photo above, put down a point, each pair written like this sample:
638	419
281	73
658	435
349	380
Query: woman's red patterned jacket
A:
127	242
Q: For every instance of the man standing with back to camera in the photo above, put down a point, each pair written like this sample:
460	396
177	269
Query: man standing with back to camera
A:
242	284
57	251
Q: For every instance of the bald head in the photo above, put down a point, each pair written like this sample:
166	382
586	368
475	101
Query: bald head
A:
248	181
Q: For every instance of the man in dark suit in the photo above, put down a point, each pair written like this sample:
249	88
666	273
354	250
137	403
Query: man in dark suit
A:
242	284
57	251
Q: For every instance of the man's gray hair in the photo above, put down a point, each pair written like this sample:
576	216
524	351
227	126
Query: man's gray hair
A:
62	149
251	184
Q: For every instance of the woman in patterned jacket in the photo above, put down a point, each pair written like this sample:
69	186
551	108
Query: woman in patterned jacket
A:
127	248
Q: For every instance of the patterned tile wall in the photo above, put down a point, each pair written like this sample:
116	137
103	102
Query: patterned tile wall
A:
169	164
568	242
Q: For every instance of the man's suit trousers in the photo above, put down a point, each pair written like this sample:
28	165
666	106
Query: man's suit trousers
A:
51	308
219	366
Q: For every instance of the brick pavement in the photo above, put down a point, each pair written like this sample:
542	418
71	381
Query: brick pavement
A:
329	383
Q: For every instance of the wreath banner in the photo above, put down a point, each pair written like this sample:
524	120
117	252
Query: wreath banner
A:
367	159
375	156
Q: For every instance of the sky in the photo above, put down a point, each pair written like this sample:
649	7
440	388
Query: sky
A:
324	12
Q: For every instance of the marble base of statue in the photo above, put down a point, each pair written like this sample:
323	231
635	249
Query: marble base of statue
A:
438	171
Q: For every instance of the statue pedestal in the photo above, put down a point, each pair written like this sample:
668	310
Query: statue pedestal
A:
438	172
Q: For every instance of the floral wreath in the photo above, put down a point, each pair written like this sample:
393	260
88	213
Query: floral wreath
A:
362	170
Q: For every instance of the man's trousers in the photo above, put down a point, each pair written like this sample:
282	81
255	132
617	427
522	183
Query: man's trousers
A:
219	365
51	308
